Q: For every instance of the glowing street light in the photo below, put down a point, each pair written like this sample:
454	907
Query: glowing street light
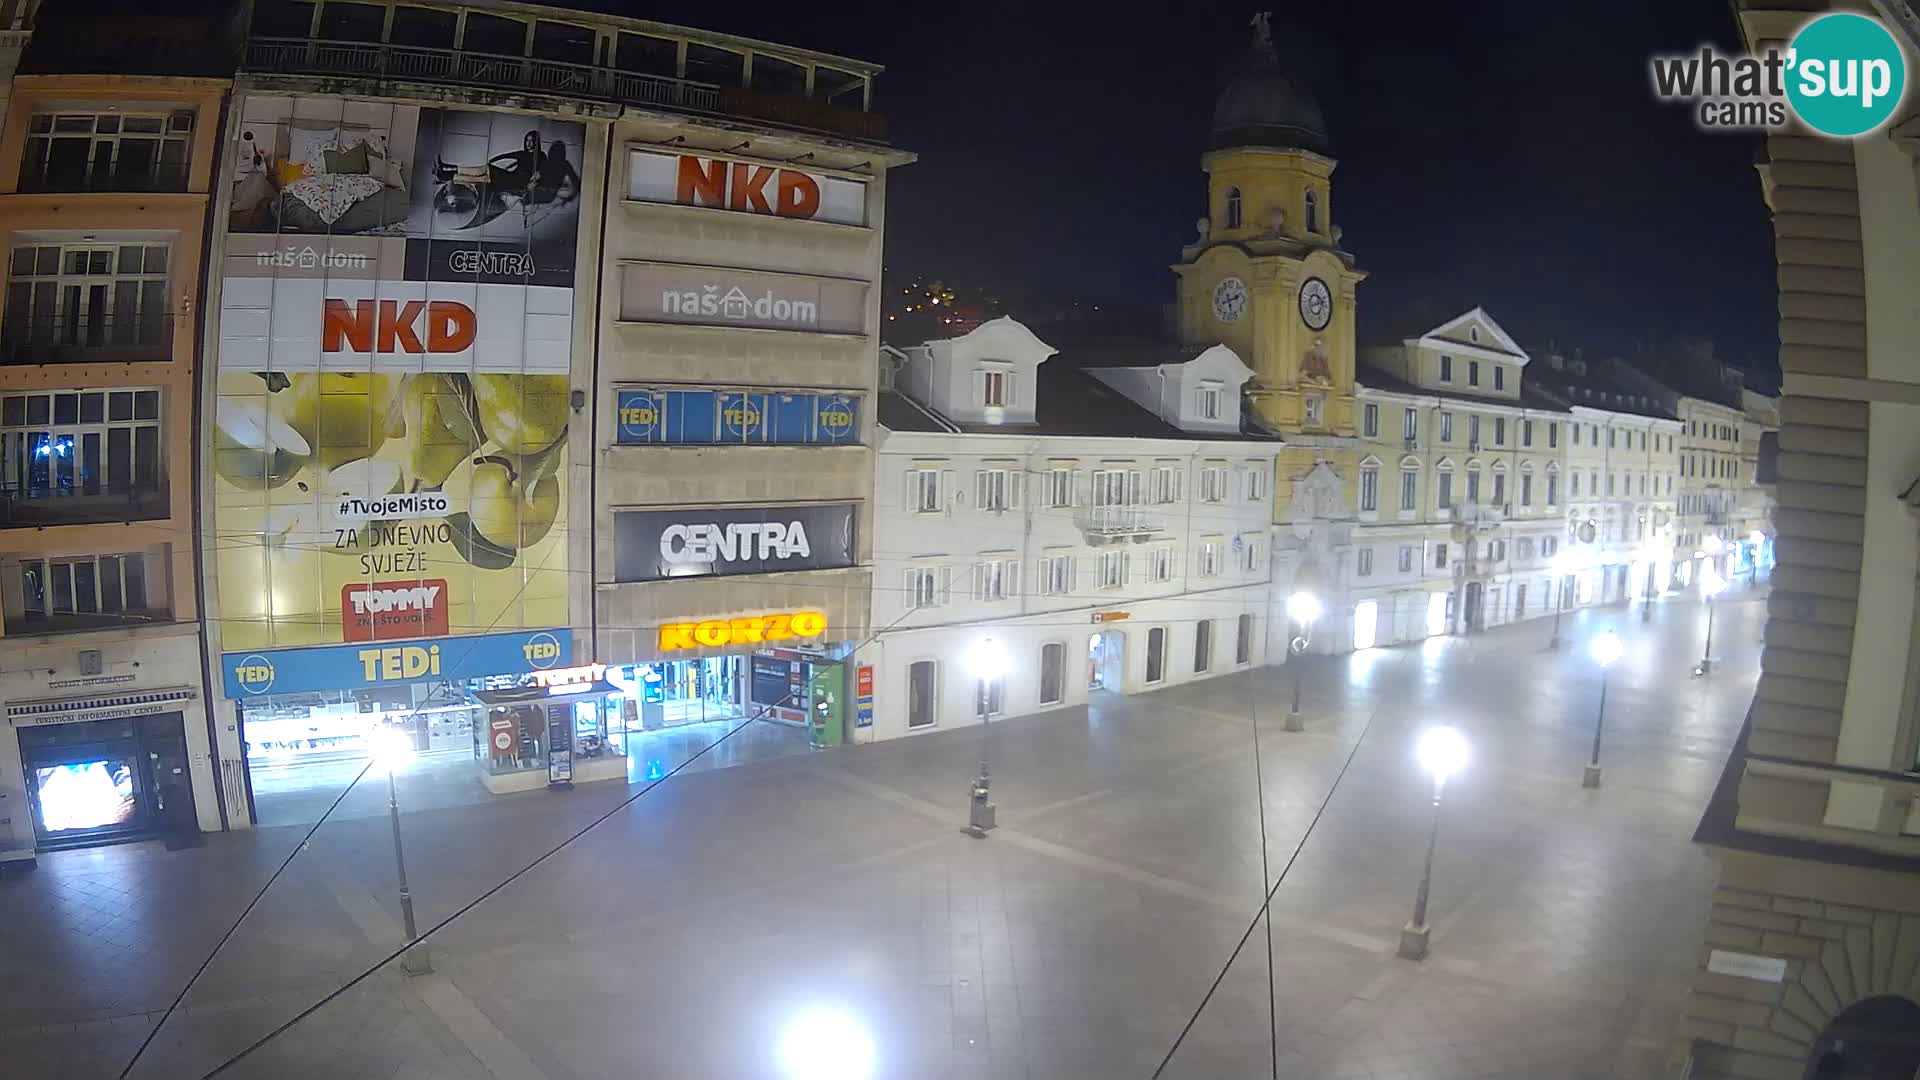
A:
1711	584
389	746
1606	649
1442	752
1303	608
826	1044
987	659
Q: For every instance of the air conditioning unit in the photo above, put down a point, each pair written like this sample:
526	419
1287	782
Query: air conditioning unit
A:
1409	443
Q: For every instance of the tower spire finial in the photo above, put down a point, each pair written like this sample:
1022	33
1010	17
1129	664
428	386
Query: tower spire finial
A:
1262	24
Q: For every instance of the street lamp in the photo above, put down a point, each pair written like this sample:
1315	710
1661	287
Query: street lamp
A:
1441	751
1646	599
1710	585
1561	564
988	661
1606	649
1303	608
388	748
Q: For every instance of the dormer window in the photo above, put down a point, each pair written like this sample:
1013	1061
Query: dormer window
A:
1207	403
996	387
1473	333
1233	208
1313	211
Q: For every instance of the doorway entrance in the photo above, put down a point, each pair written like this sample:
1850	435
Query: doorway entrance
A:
1106	660
1475	600
1366	624
105	781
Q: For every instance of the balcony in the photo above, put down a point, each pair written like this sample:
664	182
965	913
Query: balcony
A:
80	339
43	506
1115	524
373	60
123	173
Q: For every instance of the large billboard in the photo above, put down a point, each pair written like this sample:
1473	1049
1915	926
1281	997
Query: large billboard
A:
653	545
389	444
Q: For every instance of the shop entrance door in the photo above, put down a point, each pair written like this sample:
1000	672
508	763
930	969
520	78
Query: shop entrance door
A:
1106	652
105	781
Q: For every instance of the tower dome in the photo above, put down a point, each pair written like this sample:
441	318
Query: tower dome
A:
1262	107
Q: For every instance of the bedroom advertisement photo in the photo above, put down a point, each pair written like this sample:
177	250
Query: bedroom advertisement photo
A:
390	436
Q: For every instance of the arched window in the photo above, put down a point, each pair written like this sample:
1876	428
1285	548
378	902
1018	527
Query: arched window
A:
1313	211
1233	208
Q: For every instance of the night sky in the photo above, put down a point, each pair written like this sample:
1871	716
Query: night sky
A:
1507	154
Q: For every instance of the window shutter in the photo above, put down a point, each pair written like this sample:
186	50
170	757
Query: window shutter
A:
1013	578
1016	487
979	575
1082	484
982	480
1178	482
946	585
945	497
912	590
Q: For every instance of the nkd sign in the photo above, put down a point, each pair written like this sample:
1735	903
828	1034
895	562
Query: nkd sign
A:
652	545
712	296
746	187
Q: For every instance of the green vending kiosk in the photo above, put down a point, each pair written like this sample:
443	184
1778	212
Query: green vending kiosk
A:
826	703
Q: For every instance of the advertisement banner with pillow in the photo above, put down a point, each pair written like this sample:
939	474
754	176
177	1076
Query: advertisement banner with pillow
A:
396	320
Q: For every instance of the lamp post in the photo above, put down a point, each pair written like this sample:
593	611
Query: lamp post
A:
1442	751
1710	585
988	661
1646	599
1561	565
387	748
1606	649
1302	608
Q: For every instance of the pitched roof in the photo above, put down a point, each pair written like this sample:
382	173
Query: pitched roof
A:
1531	397
1592	385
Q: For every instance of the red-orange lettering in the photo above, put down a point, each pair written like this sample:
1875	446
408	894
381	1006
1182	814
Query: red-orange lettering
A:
396	324
750	188
344	328
702	183
799	196
450	327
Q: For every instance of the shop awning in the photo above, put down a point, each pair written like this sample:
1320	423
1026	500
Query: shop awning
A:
76	710
520	695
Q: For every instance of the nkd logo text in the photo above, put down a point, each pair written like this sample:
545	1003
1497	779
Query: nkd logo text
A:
391	326
1842	75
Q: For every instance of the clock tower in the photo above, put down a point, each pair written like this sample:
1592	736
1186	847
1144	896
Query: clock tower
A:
1266	276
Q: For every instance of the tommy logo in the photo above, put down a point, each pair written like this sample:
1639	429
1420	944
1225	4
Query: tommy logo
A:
737	185
393	609
390	326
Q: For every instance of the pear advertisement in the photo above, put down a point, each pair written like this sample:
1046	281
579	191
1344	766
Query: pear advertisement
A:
389	442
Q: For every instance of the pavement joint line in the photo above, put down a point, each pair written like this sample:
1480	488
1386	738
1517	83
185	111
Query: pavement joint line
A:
496	1053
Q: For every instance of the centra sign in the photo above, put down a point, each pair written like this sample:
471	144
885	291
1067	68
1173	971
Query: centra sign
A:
748	630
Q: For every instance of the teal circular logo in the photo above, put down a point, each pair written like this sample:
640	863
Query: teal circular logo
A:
1845	74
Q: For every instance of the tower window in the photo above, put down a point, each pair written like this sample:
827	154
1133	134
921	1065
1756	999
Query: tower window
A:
1313	211
1233	208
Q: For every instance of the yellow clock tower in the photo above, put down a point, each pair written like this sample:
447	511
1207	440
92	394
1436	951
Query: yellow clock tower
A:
1266	275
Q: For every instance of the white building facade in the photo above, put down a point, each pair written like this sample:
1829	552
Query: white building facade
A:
1119	563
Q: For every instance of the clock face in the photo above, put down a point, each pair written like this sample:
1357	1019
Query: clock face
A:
1316	303
1229	299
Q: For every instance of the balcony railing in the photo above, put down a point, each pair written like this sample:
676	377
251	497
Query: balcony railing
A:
39	507
86	340
108	175
69	622
373	60
1120	521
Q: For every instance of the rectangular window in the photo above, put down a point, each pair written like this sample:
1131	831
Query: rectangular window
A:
996	579
1446	368
1213	484
1526	433
1113	569
87	301
1499	430
1208	401
1243	640
1202	645
1609	483
922	677
1407	554
1370	420
1473	431
997	490
1057	485
1446	427
1610	435
925	586
1252	554
1409	490
1164	485
1156	654
924	491
1209	558
1440	556
1364	562
1256	481
1473	487
1410	425
80	456
995	387
1160	565
1473	373
1553	489
107	151
1443	490
1316	409
1576	434
83	592
1056	575
1553	435
1526	489
1499	377
1369	490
